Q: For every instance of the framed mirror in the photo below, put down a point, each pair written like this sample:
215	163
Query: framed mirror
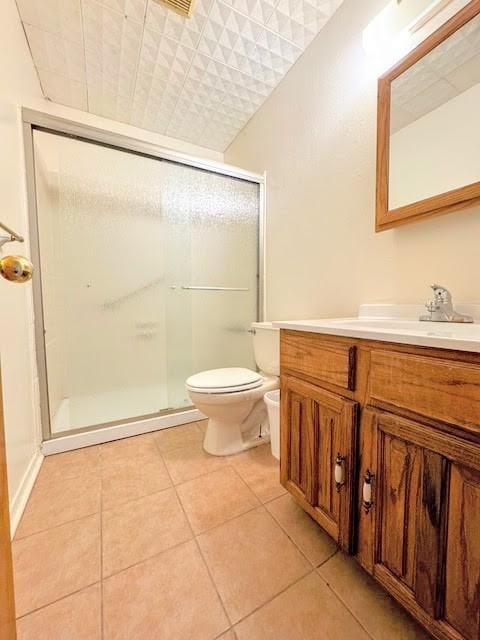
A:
428	128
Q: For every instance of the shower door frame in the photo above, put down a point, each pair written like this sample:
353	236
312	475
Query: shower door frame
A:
94	434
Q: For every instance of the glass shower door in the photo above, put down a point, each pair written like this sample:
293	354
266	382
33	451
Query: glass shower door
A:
212	225
148	273
102	261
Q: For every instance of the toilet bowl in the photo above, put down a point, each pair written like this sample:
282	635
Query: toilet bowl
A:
232	398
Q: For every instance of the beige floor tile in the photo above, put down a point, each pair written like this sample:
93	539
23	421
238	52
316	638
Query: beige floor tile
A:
56	563
379	614
57	501
308	610
261	471
190	461
141	529
202	425
215	498
303	530
128	450
76	617
251	560
133	479
169	597
71	464
174	437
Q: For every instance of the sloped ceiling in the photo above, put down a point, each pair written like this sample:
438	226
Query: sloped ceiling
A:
199	79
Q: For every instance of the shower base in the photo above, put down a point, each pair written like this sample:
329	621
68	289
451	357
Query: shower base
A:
81	421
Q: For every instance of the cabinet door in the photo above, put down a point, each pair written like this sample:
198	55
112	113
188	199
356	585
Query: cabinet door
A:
424	521
317	462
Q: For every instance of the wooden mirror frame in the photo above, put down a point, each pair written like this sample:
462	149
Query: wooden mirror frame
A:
453	200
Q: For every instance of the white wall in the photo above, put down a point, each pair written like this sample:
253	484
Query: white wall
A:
315	137
19	87
436	153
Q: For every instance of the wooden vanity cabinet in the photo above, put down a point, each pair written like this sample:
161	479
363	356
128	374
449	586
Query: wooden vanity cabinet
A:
409	433
424	523
318	455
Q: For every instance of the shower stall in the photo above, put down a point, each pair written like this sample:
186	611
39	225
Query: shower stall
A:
148	270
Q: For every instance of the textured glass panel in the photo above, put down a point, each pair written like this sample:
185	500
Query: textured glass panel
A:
120	235
212	226
103	279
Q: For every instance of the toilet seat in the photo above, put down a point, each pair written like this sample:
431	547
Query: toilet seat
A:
228	380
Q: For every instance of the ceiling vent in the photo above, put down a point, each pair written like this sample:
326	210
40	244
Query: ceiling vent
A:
183	7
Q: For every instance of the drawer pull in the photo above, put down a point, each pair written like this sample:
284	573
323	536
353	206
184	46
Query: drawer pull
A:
367	491
339	472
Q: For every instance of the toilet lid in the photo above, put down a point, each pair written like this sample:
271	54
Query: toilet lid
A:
224	380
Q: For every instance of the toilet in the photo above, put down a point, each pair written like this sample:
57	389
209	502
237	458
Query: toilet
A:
232	398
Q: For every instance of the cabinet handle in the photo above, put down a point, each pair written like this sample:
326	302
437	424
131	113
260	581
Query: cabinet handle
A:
367	491
339	472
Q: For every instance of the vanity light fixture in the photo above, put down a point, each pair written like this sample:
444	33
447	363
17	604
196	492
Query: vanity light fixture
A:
398	28
429	14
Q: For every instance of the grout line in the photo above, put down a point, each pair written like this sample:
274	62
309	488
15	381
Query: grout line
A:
260	506
68	595
122	504
57	526
220	635
260	606
227	617
193	538
88	515
344	604
327	559
222	604
216	526
147	559
314	566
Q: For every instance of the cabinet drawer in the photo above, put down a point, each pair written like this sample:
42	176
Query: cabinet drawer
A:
433	387
323	360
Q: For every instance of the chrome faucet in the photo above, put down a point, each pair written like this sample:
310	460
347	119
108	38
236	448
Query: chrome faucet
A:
441	307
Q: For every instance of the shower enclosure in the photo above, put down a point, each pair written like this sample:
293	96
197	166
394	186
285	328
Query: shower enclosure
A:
148	270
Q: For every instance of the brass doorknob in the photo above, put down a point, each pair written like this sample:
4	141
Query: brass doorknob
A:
16	269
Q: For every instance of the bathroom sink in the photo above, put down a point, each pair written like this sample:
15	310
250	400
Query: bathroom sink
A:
382	324
400	329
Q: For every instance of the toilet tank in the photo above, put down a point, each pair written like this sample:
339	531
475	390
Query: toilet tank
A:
266	347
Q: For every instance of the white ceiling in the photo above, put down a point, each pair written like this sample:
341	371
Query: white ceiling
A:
448	70
199	79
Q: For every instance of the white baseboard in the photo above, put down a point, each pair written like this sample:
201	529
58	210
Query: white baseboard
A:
116	432
19	500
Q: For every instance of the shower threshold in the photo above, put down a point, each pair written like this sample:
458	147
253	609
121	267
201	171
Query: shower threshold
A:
79	438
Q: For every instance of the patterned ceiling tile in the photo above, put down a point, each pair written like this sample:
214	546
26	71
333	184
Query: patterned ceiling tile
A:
55	16
57	88
164	54
259	10
133	9
53	53
106	28
168	23
109	104
199	79
112	51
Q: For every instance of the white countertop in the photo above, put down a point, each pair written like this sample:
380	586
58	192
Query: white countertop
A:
399	324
